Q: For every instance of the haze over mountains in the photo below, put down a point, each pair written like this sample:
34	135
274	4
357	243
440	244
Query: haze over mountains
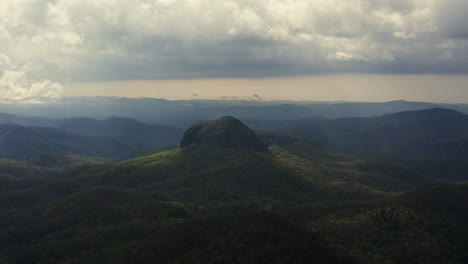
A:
113	138
431	132
381	189
186	113
428	132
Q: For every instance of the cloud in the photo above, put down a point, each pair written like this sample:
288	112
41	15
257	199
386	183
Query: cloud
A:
345	56
451	18
4	61
102	40
15	87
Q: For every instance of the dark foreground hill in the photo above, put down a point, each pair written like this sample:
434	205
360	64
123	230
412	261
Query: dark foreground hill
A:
228	203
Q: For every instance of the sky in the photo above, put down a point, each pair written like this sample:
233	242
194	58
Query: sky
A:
276	49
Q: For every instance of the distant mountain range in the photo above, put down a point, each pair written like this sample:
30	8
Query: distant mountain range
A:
430	132
434	132
111	139
184	113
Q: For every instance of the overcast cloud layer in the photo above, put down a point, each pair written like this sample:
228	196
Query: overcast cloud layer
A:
47	42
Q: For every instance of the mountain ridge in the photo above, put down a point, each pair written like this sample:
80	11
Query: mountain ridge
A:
23	142
295	203
408	133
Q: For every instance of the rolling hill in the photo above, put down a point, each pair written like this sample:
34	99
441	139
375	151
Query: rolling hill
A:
121	127
222	198
431	132
209	160
113	139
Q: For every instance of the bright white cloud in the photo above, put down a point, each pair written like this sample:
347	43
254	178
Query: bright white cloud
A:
146	39
15	87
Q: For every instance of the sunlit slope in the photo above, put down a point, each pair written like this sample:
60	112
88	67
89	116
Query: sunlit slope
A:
292	169
236	203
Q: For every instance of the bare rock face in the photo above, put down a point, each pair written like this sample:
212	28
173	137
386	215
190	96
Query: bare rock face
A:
225	132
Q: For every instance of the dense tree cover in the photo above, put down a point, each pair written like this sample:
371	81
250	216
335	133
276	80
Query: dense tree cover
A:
114	225
294	203
23	169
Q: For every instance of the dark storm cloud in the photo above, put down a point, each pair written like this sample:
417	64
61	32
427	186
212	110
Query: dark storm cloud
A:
71	40
451	18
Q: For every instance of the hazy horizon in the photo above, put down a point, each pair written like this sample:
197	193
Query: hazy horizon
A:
355	88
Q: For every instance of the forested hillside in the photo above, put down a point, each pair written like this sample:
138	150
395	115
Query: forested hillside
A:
220	198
